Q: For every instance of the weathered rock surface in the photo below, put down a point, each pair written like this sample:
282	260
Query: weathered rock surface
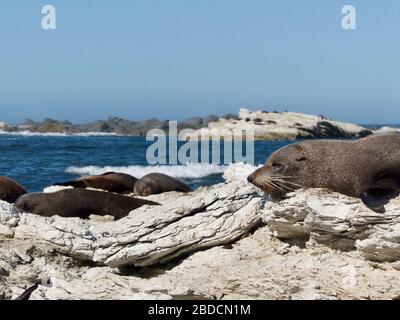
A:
149	235
256	267
281	126
220	242
339	222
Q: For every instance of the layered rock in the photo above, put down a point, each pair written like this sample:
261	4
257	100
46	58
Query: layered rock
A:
281	126
150	235
339	222
221	242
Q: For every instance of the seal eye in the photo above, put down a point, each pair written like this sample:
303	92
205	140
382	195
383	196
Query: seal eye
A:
276	166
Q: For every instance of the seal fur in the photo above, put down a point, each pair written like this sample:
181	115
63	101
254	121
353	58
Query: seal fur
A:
357	168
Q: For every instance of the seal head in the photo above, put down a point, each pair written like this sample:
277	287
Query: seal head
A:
10	190
357	168
284	171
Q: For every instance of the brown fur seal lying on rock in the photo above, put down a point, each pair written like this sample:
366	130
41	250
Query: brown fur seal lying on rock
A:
110	181
79	203
10	190
156	183
358	168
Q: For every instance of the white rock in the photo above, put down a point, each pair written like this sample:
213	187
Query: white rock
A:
252	268
279	126
238	172
9	215
153	234
337	221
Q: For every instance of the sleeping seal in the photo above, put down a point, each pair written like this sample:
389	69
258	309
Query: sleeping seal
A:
357	168
110	181
10	190
156	183
79	203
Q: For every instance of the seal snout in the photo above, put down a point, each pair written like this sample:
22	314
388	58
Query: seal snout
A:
250	178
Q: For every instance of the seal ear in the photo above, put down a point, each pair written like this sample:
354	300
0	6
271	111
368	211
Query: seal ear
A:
300	151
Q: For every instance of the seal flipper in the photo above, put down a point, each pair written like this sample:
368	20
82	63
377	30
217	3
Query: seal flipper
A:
27	294
74	184
385	186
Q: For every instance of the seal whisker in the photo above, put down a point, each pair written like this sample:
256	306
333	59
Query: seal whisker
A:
276	186
266	181
292	183
288	187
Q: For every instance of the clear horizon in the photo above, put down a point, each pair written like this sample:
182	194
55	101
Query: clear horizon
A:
146	59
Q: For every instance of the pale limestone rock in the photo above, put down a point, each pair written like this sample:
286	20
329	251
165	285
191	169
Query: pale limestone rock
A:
8	214
239	172
153	234
253	268
279	126
337	221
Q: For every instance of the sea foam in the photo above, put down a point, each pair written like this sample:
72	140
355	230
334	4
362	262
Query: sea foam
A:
191	171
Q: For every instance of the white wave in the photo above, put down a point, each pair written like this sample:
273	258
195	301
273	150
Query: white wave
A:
58	134
53	189
190	170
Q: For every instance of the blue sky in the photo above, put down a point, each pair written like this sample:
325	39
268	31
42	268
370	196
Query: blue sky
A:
174	59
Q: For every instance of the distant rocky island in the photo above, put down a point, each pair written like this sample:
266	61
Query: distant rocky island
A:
267	125
111	125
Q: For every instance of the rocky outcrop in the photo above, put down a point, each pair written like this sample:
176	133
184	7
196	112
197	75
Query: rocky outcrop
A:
281	126
256	267
222	242
150	235
113	125
266	126
339	222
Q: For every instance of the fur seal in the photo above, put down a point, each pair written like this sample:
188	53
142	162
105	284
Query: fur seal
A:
10	190
110	181
79	203
156	183
357	168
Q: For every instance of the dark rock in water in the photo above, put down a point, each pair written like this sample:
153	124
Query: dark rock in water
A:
29	122
112	125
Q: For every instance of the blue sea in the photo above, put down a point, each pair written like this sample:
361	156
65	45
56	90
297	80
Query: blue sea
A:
37	161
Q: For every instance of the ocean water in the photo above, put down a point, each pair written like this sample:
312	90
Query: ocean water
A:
37	161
